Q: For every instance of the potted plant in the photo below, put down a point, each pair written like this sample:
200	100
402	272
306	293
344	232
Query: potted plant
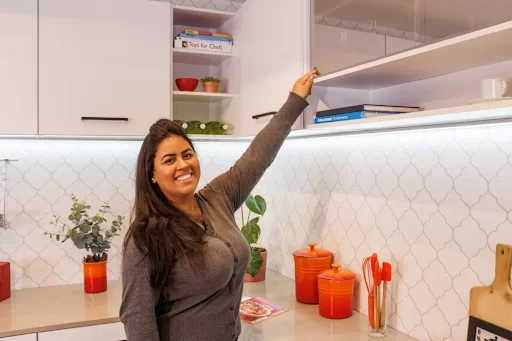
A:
210	84
87	233
257	267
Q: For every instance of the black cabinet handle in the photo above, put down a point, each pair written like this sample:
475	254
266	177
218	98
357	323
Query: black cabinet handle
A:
270	113
89	118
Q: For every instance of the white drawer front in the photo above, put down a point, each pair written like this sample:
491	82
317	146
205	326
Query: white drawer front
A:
103	332
28	337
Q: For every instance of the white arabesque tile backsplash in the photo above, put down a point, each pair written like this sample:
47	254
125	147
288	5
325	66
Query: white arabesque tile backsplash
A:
434	203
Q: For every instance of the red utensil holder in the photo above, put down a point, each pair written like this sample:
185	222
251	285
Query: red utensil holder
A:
5	280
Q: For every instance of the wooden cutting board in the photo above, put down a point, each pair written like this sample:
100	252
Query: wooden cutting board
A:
490	307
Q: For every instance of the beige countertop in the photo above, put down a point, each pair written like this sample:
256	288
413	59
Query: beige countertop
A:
58	307
303	322
67	306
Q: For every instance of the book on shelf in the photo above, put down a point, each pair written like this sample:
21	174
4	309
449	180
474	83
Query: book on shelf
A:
254	310
350	116
202	45
208	33
368	108
205	37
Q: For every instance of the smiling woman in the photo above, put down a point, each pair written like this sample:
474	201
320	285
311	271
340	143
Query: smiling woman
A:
177	170
184	257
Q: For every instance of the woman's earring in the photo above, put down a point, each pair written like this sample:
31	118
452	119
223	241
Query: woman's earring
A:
153	180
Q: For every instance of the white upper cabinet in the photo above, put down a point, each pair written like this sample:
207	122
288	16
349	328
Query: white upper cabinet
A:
18	67
272	53
105	66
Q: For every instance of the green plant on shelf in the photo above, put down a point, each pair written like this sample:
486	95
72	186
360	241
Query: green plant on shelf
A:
210	79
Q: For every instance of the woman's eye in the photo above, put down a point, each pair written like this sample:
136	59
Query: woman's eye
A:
187	156
169	160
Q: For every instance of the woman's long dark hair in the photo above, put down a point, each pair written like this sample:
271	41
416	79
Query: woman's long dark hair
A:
159	230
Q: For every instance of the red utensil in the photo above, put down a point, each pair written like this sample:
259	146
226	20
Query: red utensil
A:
368	279
386	277
376	283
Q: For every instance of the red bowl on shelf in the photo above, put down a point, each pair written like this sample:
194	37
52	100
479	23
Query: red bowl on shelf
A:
187	84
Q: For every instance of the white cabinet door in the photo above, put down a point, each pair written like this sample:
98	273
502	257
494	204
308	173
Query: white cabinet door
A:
272	56
18	67
27	337
103	332
105	66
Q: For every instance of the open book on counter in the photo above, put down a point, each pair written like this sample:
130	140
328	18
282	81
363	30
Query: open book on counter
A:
254	310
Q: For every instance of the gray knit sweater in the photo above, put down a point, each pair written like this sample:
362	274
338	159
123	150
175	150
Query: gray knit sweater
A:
204	300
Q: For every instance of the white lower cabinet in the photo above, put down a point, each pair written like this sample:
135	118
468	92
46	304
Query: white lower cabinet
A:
27	337
103	332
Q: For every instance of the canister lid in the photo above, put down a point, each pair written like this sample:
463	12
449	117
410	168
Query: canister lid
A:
312	252
335	274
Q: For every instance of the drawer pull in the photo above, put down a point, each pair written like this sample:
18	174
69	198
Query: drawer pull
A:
88	118
270	113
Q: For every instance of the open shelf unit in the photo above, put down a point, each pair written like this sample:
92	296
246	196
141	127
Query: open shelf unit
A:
482	47
495	111
196	96
199	57
197	105
200	17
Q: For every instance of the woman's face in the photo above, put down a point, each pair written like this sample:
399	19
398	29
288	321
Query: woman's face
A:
176	168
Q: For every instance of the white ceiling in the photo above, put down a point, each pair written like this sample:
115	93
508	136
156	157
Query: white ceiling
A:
435	18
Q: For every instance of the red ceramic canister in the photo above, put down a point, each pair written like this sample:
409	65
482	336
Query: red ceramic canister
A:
336	291
309	262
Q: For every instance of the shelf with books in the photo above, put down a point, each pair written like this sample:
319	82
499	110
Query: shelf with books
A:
477	113
196	96
199	57
467	51
199	17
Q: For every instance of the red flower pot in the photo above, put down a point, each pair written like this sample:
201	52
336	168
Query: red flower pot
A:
95	277
187	84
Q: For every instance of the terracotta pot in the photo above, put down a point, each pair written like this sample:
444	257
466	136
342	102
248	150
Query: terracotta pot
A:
95	277
260	275
211	86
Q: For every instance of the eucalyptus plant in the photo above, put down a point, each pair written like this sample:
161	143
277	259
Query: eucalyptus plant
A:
252	231
87	231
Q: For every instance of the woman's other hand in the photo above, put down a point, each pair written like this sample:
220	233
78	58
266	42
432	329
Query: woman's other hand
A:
303	85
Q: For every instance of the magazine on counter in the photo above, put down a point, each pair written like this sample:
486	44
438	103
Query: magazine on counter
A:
254	310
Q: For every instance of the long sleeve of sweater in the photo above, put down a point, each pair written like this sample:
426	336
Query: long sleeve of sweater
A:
139	299
238	182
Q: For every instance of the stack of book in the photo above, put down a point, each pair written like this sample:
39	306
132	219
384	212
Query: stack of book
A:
204	41
361	111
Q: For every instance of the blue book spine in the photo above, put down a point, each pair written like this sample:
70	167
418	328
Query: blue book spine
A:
198	36
340	117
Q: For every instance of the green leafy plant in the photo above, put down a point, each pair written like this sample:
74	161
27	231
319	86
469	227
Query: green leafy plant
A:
210	79
86	231
252	231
